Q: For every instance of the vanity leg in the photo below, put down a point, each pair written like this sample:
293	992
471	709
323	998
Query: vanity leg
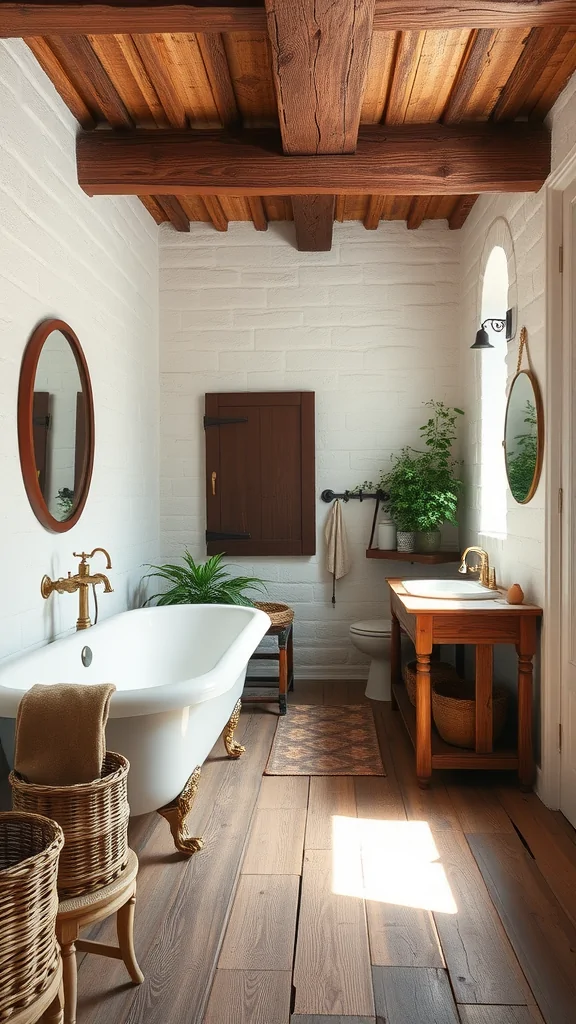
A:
395	656
177	812
526	650
484	674
423	702
233	749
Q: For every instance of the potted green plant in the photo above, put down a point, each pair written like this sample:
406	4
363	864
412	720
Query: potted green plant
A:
202	583
423	484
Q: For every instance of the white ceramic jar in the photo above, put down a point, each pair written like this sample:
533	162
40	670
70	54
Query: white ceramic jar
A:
386	535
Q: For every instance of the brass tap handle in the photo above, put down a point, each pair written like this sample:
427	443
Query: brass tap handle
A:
83	555
492	580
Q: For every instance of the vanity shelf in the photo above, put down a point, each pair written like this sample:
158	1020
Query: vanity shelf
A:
435	558
444	755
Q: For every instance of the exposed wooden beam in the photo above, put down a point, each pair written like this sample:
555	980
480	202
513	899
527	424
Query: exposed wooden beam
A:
72	17
313	219
211	47
404	160
216	213
374	212
154	208
151	50
472	65
49	62
85	69
460	212
258	213
340	209
417	212
173	210
320	53
540	45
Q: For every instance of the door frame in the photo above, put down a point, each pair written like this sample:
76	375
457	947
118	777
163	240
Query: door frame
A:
549	775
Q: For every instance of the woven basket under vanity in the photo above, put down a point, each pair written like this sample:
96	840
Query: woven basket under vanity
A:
29	954
94	819
439	671
454	712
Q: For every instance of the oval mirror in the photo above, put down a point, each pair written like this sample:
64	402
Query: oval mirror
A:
524	436
55	425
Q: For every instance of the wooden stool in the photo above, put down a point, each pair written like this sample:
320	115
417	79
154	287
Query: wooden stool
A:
285	659
79	911
47	1007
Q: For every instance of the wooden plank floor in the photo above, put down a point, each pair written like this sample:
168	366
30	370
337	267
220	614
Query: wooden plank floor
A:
348	900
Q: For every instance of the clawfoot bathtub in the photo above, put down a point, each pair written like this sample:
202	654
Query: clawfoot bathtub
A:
179	673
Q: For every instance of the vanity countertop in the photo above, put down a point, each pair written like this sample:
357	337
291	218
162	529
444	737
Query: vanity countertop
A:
446	606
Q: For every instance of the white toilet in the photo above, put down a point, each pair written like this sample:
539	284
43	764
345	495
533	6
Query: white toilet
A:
373	638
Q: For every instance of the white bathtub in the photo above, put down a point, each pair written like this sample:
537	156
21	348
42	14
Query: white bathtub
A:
179	672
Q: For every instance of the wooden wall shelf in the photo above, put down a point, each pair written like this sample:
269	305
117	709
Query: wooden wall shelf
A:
437	558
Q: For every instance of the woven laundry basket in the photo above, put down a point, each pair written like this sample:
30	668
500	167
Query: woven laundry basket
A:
94	819
454	712
29	954
281	615
439	670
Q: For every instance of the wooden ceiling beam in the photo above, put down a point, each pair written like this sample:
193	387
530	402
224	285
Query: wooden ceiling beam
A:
258	213
173	210
460	212
211	46
374	212
320	53
71	17
539	48
216	213
472	65
417	212
400	160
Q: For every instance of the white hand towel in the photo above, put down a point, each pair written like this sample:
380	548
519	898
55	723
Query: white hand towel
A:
338	560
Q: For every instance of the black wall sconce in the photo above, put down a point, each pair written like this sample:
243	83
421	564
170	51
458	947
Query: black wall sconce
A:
483	341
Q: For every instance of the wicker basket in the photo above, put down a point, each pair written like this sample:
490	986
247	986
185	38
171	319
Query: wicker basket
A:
281	615
454	712
94	818
29	953
439	670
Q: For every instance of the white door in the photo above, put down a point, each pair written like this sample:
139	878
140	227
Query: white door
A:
568	682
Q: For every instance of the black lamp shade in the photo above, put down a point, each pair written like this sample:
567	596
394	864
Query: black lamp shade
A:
482	340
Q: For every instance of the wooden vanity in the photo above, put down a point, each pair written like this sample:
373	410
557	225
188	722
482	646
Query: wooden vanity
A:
430	621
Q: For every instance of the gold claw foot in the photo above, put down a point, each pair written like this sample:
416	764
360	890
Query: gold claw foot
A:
176	814
233	749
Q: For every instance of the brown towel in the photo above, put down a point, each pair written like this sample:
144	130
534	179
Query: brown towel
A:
60	739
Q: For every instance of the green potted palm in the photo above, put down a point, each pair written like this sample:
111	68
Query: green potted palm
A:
202	583
424	484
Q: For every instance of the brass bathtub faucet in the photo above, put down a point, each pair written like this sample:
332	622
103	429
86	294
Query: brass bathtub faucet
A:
80	582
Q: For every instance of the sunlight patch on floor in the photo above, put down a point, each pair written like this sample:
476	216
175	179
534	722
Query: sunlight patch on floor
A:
389	862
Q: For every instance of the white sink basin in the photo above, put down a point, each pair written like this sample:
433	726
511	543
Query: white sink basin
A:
455	590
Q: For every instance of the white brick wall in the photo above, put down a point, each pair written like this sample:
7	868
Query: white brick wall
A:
93	263
371	327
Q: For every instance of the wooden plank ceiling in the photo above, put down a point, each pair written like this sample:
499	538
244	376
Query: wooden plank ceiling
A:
234	80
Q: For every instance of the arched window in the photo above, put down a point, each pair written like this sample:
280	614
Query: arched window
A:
493	402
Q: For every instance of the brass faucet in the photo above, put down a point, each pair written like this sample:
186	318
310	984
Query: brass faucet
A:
487	576
80	582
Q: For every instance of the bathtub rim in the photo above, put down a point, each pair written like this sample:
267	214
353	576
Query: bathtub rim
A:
171	696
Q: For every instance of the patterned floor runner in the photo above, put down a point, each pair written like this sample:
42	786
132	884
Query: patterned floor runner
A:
323	740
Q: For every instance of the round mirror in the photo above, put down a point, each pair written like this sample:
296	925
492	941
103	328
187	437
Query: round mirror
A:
55	425
524	436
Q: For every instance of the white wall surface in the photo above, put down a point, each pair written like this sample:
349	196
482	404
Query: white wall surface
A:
518	222
92	263
371	327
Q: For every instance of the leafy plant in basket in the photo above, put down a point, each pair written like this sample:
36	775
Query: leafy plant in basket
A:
202	583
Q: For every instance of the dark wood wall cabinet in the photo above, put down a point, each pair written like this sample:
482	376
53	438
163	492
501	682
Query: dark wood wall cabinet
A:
260	473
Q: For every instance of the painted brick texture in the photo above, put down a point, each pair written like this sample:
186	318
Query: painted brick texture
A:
371	327
94	264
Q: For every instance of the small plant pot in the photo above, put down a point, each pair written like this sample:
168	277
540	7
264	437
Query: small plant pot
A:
405	541
428	541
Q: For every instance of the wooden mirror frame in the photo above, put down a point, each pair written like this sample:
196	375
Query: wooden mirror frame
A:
539	434
26	425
